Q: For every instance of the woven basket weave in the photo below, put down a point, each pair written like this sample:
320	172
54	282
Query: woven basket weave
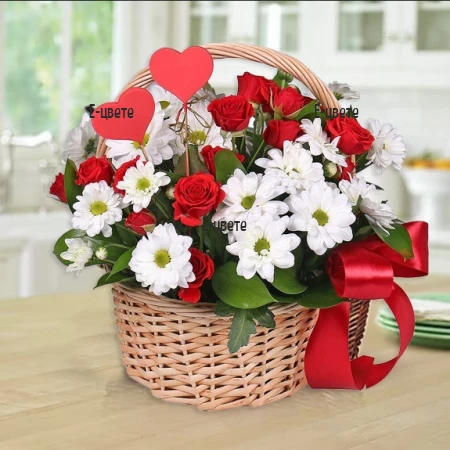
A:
180	351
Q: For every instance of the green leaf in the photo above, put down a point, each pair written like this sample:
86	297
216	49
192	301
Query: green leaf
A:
226	163
223	310
361	162
263	316
282	78
61	246
286	281
174	177
242	327
71	189
127	236
322	296
215	240
363	233
237	291
195	164
116	278
122	262
397	238
309	111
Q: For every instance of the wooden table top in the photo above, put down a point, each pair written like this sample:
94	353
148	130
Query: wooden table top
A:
62	386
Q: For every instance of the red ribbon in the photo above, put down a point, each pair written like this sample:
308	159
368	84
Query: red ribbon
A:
363	270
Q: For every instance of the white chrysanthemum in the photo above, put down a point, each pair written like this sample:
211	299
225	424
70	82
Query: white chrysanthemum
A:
97	209
140	183
319	142
248	197
165	100
294	165
161	260
263	246
79	252
202	129
370	204
154	146
324	213
81	142
388	147
343	91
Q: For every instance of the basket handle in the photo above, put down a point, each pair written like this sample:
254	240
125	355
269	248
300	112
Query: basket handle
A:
255	53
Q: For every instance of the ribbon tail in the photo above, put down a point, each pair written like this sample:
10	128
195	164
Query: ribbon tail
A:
327	362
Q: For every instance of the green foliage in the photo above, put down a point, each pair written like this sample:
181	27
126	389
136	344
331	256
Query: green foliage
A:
122	262
72	189
263	316
308	112
242	327
116	278
282	78
285	281
127	236
215	240
223	310
237	291
397	238
226	163
195	164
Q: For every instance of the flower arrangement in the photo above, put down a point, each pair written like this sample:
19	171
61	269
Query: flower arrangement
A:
237	200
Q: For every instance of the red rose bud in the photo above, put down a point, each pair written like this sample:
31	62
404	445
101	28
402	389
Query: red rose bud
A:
141	222
347	171
203	268
288	102
196	196
120	173
208	154
354	139
255	89
232	113
57	188
278	131
94	170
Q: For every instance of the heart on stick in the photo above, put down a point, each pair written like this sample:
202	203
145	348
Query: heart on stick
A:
182	74
127	118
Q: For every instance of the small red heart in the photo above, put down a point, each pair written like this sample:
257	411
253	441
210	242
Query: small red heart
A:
183	73
113	120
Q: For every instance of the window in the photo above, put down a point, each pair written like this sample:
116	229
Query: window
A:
54	51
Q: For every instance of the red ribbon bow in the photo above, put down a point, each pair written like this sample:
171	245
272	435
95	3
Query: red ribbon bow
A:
363	270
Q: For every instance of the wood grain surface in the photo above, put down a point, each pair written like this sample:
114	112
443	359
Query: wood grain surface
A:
62	386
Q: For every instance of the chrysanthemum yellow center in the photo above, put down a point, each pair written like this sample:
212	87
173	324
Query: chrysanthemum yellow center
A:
247	202
164	104
197	137
162	258
321	216
98	207
137	145
142	184
260	245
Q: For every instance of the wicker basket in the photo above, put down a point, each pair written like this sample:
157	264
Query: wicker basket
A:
180	351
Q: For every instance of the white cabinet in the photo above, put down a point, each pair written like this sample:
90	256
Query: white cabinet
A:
367	43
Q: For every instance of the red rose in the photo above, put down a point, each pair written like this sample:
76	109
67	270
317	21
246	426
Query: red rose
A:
203	268
254	88
208	154
232	113
354	139
57	188
196	196
94	170
288	102
347	171
136	221
278	131
120	173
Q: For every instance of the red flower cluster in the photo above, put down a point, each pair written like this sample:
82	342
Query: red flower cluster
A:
203	268
57	188
288	102
94	170
208	154
278	131
256	89
196	196
232	113
141	222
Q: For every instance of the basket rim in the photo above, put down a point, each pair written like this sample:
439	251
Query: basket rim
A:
204	309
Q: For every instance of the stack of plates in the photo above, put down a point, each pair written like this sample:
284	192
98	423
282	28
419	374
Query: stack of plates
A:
432	313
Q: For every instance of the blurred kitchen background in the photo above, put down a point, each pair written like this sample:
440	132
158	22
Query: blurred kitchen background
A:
57	57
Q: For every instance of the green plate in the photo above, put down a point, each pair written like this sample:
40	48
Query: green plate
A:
418	327
424	339
386	313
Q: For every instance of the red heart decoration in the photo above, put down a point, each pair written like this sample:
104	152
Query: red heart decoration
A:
183	73
113	121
